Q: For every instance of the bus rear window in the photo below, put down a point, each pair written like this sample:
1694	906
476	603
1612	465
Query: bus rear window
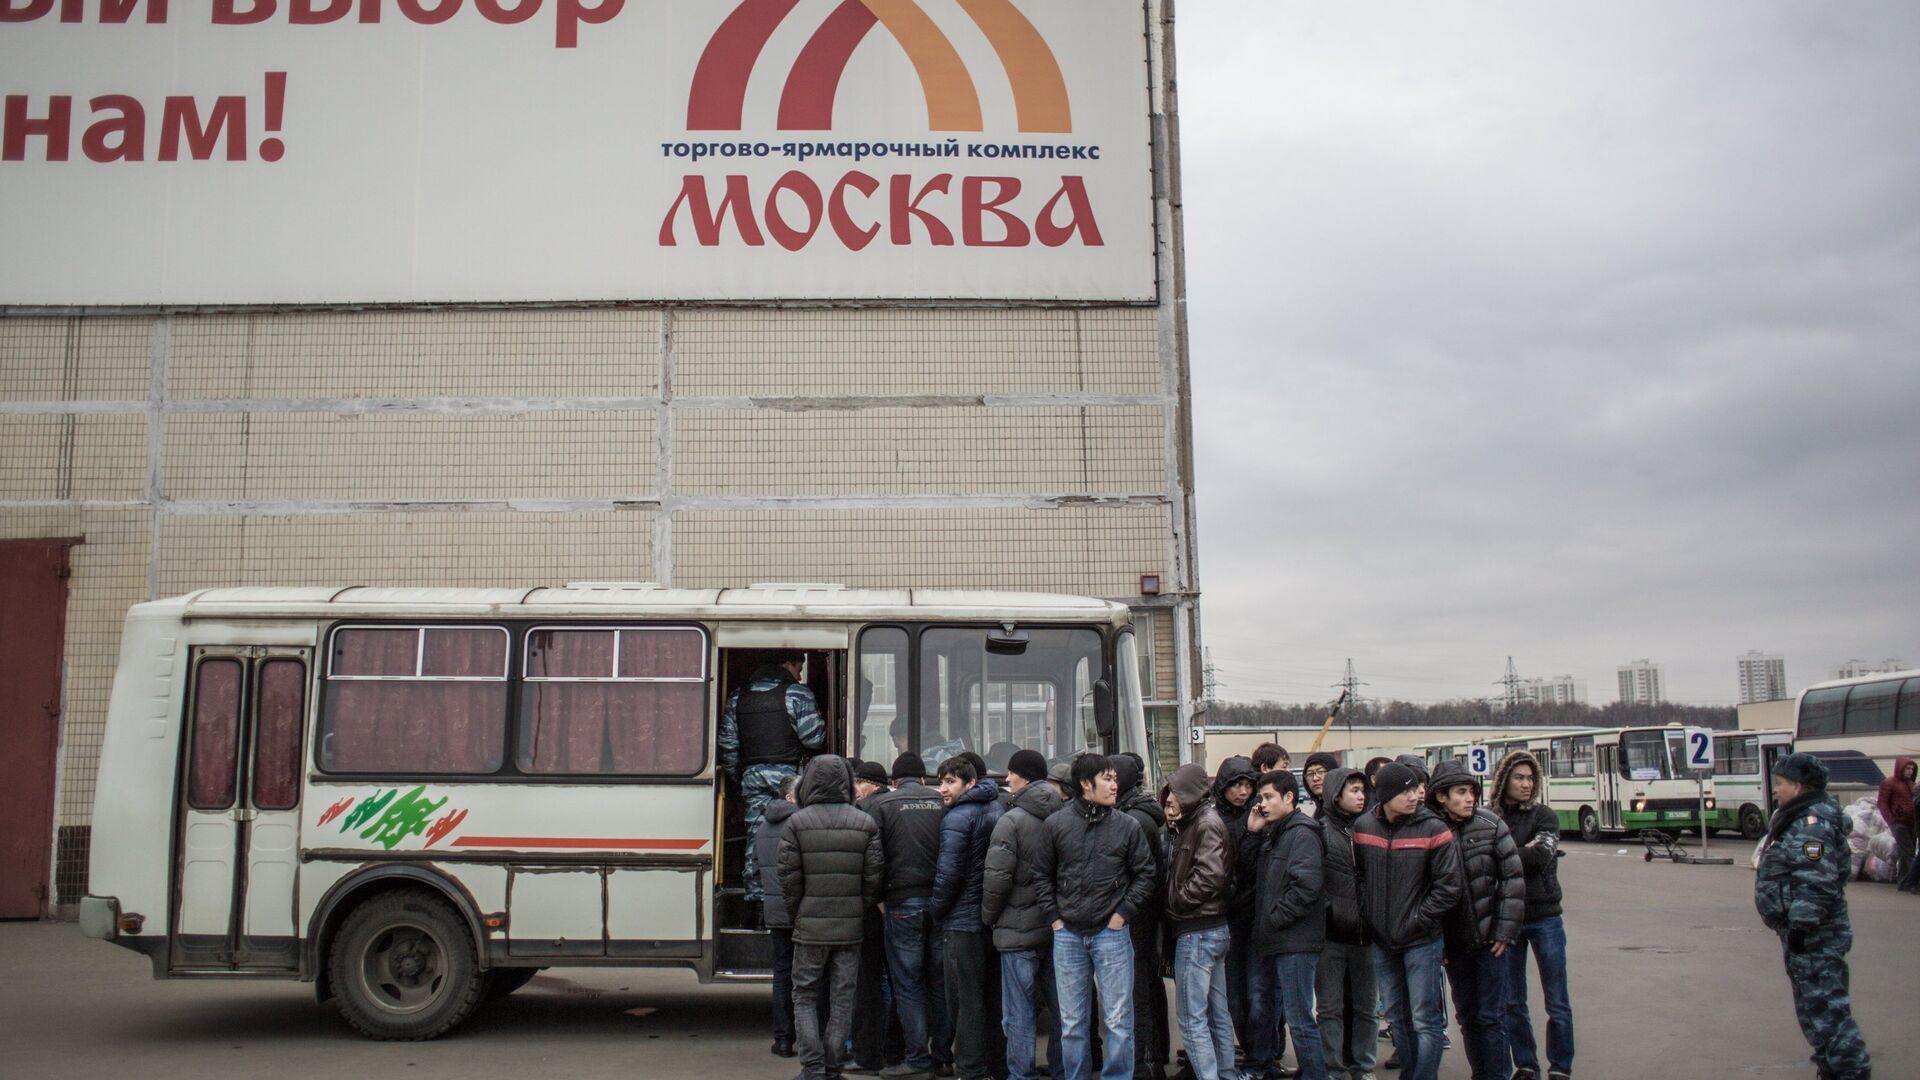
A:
415	700
614	701
216	735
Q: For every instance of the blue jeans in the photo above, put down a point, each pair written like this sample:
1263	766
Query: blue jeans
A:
1414	988
1548	937
1081	962
1200	986
919	988
1280	990
1026	980
1479	981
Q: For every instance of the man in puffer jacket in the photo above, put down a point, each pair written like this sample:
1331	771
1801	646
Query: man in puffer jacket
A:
1408	866
1150	1033
779	922
1009	906
1199	892
1233	796
1345	993
1487	921
830	873
1289	930
966	832
1517	784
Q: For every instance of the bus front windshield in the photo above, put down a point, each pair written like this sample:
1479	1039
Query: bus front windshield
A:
1653	755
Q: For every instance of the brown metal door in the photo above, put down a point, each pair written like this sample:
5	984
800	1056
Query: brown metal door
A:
33	620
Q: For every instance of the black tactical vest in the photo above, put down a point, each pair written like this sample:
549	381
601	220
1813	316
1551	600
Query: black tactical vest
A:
767	735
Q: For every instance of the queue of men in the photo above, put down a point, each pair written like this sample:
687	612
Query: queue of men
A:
1289	911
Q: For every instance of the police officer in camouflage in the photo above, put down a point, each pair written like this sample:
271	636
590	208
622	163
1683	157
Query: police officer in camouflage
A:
1801	893
770	725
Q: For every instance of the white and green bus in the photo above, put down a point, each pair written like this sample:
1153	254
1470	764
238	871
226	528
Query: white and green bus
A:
1743	764
1608	780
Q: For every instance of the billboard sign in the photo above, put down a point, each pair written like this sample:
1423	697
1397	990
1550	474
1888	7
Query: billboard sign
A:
216	152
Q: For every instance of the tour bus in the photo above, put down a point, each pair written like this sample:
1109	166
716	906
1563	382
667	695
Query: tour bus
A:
1859	726
417	797
1607	779
1743	764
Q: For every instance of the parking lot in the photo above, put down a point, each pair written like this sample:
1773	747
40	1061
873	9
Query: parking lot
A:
1672	976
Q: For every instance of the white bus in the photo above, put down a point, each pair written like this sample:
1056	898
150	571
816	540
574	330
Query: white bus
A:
1859	726
1743	764
416	798
1608	779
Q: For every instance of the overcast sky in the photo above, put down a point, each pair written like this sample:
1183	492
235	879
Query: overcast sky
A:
1580	333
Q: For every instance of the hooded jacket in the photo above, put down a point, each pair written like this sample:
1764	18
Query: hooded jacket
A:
1291	901
766	851
1409	875
1344	924
1896	795
909	818
1246	845
1139	804
1008	903
1094	864
830	864
1495	899
1536	833
965	833
1200	878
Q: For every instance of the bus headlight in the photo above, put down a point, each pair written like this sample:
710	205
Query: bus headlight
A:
1710	804
1640	806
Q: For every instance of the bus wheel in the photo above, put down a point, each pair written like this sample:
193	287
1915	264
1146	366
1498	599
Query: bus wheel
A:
1589	825
403	967
1753	823
504	981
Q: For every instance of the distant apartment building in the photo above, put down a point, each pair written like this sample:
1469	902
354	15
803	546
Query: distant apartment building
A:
1556	690
1853	669
1763	677
1642	682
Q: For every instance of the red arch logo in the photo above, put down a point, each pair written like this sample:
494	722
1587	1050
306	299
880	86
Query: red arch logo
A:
806	103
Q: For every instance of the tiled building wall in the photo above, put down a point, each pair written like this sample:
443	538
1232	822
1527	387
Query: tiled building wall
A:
1004	448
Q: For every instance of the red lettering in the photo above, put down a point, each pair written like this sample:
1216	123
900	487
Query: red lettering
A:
19	127
32	10
307	13
974	209
571	13
130	125
904	208
1074	190
369	11
225	13
113	11
850	234
180	118
786	235
494	11
418	12
706	219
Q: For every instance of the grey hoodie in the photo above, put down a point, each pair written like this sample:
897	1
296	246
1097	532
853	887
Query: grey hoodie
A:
1007	902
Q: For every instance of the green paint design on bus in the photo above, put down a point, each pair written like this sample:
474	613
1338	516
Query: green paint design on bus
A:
390	817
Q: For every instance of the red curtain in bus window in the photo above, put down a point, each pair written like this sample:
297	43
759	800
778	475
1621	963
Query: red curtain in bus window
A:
565	723
622	727
663	731
216	735
417	725
276	738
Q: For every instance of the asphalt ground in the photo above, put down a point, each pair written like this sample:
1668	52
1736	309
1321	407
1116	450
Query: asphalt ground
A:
1672	976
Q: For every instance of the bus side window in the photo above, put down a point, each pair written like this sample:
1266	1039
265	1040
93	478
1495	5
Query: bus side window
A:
1909	706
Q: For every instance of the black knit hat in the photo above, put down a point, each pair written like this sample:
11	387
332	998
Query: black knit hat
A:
1029	765
1392	781
908	766
1803	768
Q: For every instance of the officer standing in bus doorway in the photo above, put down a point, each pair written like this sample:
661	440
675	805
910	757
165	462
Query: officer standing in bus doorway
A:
769	726
1801	893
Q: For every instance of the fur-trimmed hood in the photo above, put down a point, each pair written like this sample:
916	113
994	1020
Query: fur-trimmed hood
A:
1498	797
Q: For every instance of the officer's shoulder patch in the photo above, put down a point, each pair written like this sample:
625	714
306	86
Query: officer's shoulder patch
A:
1813	819
1813	850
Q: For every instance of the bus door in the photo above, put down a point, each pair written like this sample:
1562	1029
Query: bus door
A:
1770	755
1606	772
236	844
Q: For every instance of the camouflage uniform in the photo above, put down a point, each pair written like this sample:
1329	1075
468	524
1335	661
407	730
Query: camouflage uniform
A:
760	783
1801	893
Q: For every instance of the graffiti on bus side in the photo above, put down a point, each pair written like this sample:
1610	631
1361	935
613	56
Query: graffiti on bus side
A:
389	817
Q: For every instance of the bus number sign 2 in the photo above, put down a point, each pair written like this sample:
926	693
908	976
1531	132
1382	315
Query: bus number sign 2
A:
1479	760
1699	750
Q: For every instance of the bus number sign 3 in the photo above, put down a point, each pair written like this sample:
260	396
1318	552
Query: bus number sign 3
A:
1479	760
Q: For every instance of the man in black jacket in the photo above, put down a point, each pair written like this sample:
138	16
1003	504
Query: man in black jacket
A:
779	922
877	1038
831	869
1093	875
1486	922
1289	929
1009	906
1233	796
1517	784
909	818
1345	994
966	832
1150	1030
1408	867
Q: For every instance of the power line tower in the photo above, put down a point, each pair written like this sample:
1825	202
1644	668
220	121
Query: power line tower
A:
1350	685
1512	683
1209	678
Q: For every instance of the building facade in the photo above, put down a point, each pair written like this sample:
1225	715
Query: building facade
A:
940	438
1763	676
1642	682
1553	690
1853	669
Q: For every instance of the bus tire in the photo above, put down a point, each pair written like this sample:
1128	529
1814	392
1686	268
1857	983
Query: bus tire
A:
1753	823
502	981
1589	825
403	967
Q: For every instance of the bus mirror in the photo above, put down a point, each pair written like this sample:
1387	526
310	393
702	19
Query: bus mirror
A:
1008	641
1103	719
